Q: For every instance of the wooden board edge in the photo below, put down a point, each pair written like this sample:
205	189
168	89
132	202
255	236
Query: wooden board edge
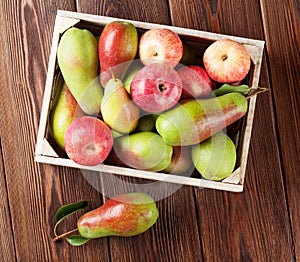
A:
145	25
190	181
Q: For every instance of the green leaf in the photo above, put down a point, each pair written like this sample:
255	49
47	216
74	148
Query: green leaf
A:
226	88
77	240
68	210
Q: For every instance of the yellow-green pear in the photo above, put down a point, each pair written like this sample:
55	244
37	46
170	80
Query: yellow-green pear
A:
77	56
215	157
64	110
117	108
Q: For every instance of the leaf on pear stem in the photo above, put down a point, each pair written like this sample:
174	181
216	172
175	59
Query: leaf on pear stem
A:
226	88
77	240
68	210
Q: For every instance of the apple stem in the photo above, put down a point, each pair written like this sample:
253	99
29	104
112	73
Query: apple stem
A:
64	234
254	90
112	74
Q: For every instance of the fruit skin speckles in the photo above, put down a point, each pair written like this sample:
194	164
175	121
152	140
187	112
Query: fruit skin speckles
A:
226	61
124	215
160	45
88	141
156	87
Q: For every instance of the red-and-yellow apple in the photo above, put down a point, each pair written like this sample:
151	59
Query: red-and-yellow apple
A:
160	45
226	61
195	82
156	88
88	141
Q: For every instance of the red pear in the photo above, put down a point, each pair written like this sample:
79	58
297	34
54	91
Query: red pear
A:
117	48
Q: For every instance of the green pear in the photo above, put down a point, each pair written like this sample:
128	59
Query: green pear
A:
143	150
215	158
146	123
134	68
124	215
189	56
64	110
77	56
193	120
117	108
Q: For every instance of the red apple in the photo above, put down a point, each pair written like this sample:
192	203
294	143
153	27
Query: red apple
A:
160	45
156	88
88	141
227	61
195	82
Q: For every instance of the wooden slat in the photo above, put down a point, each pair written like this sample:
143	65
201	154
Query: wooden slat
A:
284	66
167	240
35	192
254	224
7	249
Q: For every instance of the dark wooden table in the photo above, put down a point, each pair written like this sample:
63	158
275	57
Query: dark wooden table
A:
260	224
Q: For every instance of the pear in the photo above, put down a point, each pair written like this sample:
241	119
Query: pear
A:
64	110
143	150
117	48
78	61
134	68
181	161
189	56
146	123
193	120
117	108
215	158
124	215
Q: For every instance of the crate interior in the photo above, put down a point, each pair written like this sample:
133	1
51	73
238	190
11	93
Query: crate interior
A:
234	131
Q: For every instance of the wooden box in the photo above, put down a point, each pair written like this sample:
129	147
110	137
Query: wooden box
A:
45	152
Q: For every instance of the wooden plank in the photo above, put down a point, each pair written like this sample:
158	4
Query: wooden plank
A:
284	66
7	249
35	192
252	225
167	240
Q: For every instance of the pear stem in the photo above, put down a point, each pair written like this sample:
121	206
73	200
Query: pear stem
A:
256	90
65	234
112	74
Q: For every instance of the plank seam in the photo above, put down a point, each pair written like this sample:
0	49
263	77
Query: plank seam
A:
8	202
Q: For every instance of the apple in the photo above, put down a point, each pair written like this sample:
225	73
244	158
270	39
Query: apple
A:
160	45
88	141
226	61
156	88
195	82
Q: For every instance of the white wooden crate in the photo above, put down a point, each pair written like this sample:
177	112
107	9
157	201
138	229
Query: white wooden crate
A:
45	153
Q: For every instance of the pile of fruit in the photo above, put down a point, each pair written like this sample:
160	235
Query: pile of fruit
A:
157	105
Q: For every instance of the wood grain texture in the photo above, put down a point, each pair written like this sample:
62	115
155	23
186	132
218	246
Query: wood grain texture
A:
147	11
243	216
35	192
194	224
284	66
7	249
